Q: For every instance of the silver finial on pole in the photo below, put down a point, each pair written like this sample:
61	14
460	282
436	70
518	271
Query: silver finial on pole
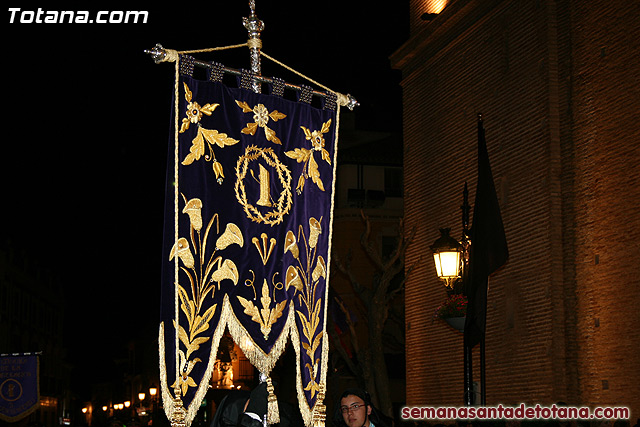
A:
158	54
254	27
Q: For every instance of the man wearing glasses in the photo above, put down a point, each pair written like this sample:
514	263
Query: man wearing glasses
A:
355	409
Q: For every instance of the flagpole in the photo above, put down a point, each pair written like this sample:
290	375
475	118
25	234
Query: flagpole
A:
467	350
254	27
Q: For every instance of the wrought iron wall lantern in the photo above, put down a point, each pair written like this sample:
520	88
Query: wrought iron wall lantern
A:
447	254
452	256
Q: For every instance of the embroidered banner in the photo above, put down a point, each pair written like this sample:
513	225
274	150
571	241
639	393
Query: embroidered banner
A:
19	386
247	238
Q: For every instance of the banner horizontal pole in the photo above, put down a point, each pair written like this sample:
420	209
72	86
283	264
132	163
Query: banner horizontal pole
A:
159	54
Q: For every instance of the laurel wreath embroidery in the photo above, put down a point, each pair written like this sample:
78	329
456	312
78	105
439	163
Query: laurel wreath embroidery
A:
210	136
283	205
306	156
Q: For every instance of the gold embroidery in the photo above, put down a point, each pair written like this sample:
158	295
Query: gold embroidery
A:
305	280
261	117
266	316
212	137
202	281
265	187
306	156
282	206
264	252
231	235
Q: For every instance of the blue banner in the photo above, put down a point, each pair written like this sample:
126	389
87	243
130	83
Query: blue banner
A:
19	386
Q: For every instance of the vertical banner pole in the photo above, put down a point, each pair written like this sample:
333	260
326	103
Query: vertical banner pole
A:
254	27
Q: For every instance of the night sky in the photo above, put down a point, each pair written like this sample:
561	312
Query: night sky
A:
88	113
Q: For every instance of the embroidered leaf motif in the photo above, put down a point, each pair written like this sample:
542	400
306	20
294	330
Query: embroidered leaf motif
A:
277	115
188	95
194	114
196	150
326	126
194	332
314	173
306	156
300	154
325	156
271	136
305	280
266	316
250	129
250	309
212	136
245	107
209	108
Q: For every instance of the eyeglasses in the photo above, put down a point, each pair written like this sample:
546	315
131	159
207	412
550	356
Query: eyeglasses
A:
352	408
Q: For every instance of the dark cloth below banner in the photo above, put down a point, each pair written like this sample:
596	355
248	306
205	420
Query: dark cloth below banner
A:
247	235
19	386
488	250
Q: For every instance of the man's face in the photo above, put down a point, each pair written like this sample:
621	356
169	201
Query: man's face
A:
354	411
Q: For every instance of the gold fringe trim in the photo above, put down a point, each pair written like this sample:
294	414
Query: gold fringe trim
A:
206	378
167	399
262	361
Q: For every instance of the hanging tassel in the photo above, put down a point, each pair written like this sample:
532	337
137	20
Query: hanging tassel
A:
179	416
319	409
273	412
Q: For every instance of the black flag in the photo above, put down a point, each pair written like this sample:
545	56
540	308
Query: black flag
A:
488	250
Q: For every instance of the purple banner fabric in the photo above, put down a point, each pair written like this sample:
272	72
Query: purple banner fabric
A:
250	190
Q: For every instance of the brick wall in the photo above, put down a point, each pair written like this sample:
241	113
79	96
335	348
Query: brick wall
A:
605	106
555	83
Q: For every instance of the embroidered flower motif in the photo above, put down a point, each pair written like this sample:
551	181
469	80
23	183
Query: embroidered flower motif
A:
306	156
261	117
194	114
182	251
194	110
212	137
317	140
184	381
193	208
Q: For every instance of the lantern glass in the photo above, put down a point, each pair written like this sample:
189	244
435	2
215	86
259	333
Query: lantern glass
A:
447	253
447	264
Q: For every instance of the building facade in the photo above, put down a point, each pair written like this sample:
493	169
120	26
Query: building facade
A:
557	83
